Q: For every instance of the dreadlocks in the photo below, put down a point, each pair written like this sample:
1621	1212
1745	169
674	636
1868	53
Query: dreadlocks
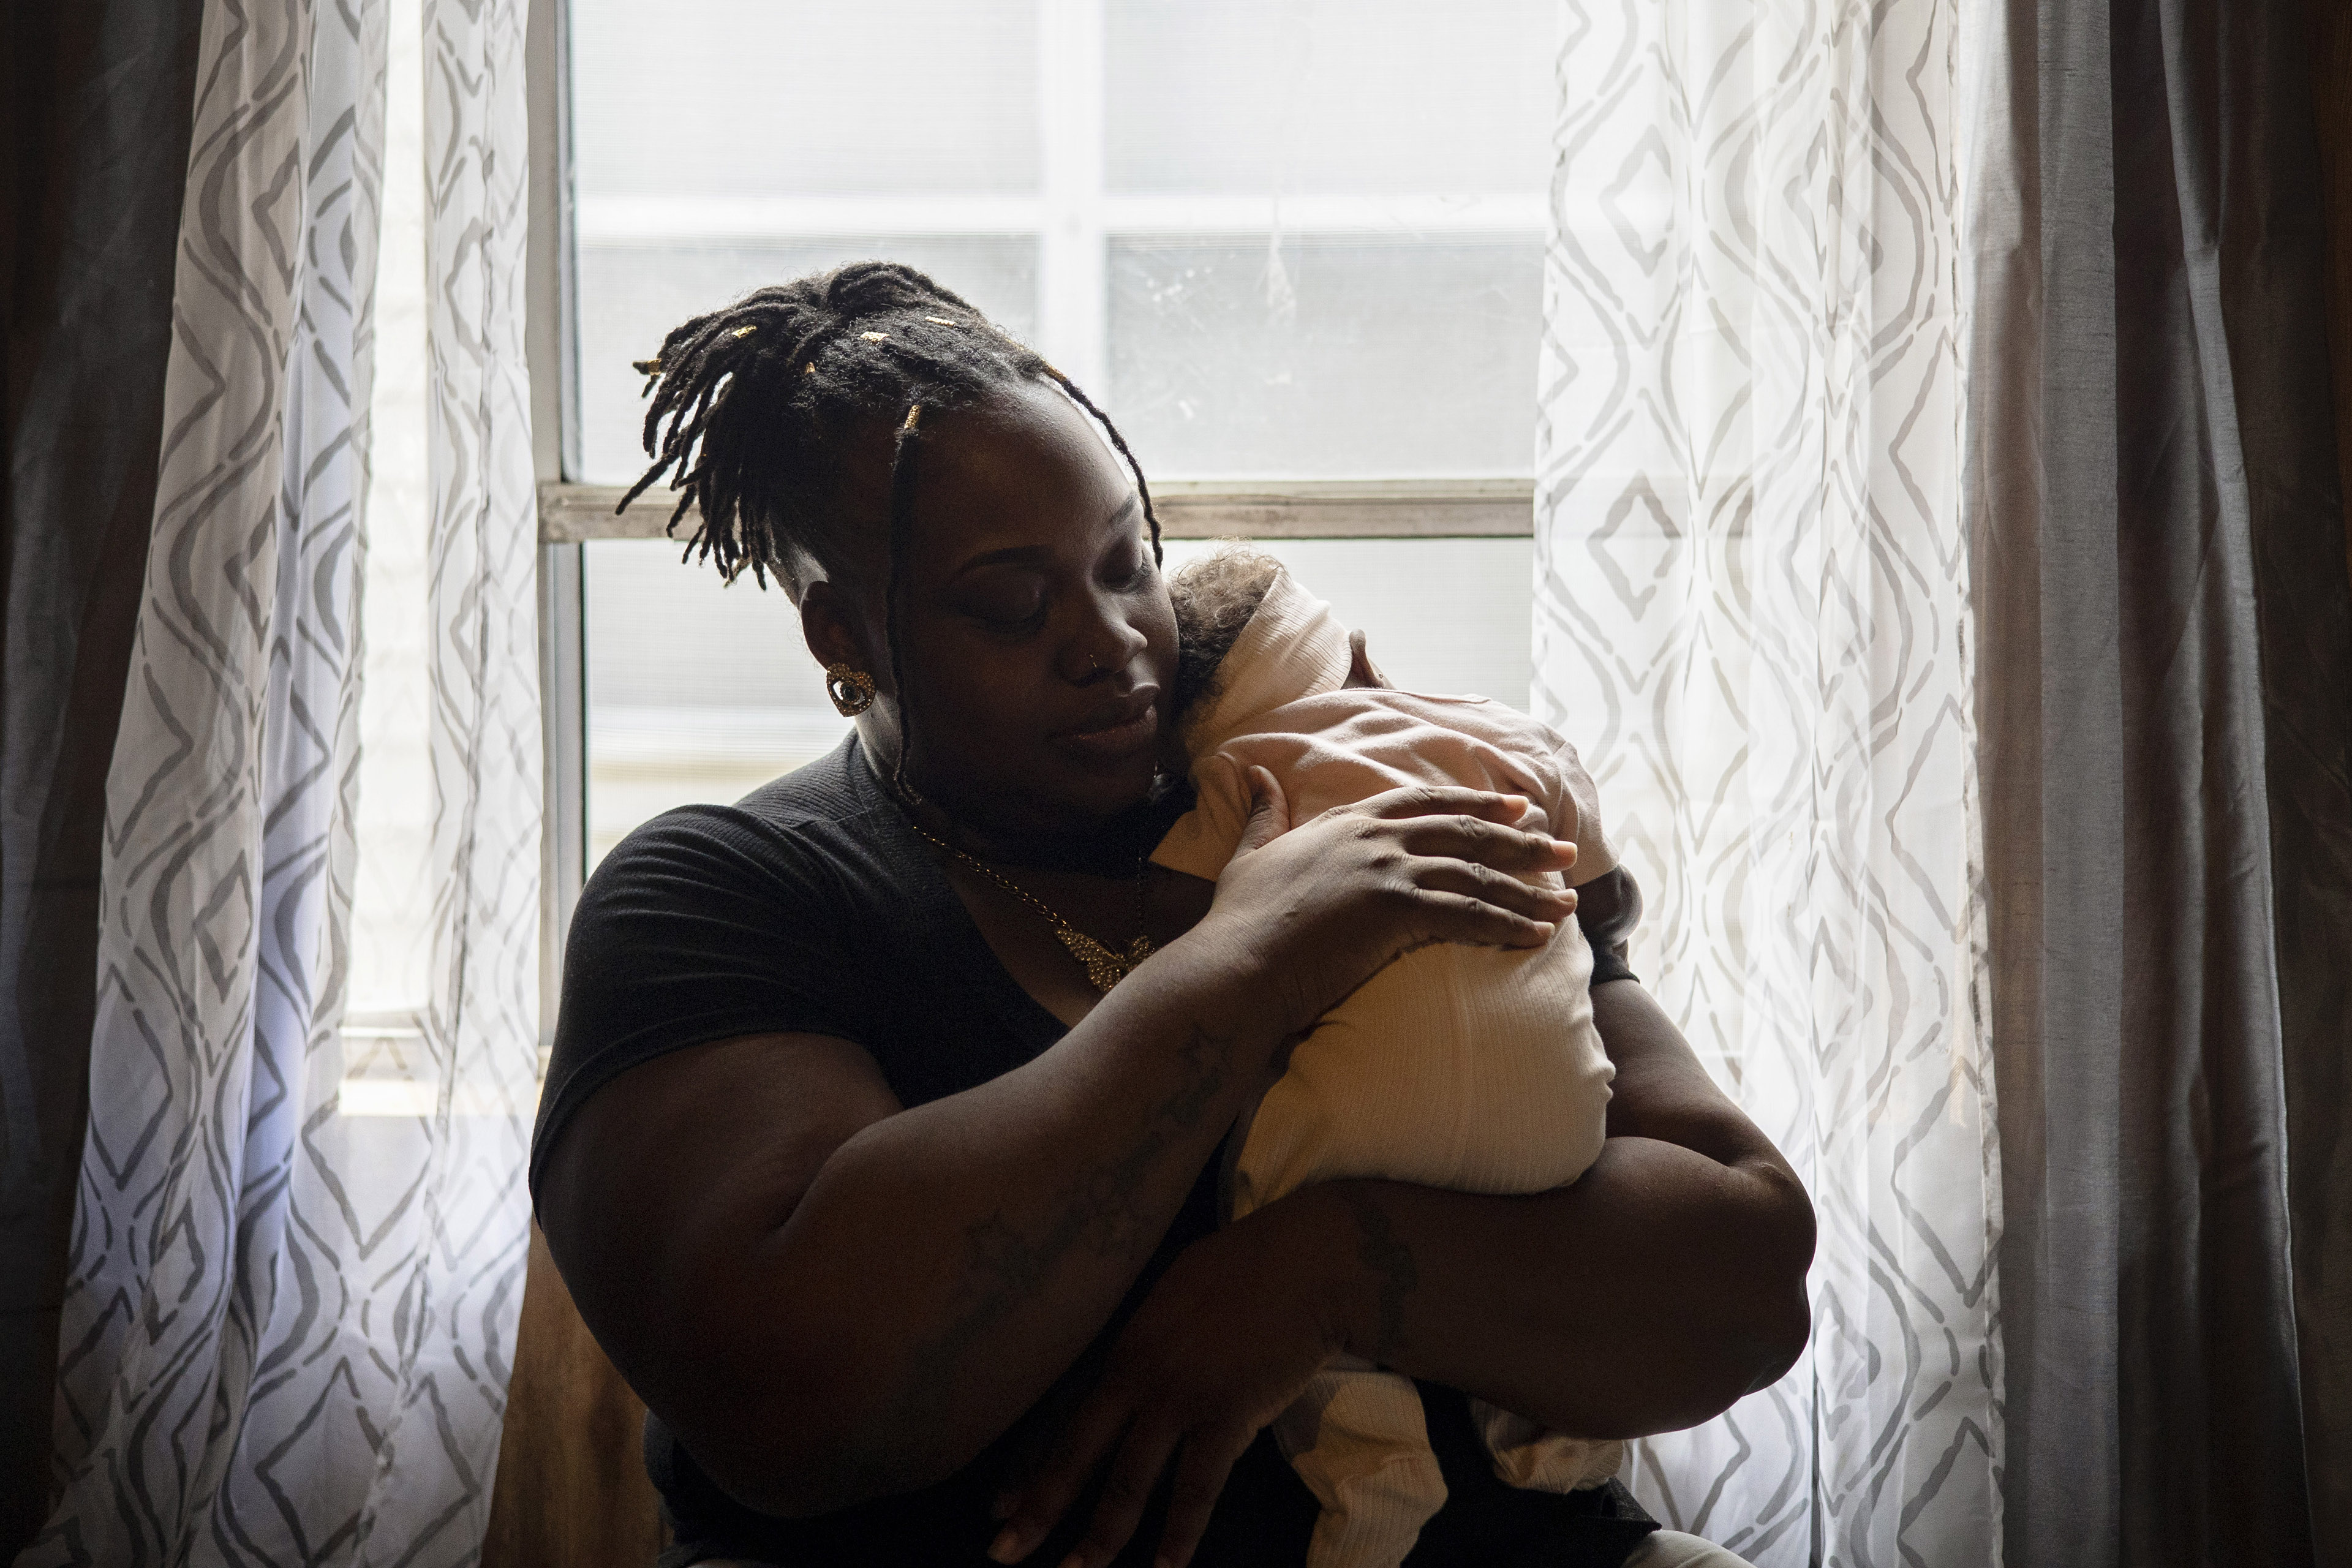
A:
756	407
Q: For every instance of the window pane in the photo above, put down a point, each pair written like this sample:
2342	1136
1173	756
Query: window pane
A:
1330	356
391	904
1296	238
803	97
630	295
699	692
1328	95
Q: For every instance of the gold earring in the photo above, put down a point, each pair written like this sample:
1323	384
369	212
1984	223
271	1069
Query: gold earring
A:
852	690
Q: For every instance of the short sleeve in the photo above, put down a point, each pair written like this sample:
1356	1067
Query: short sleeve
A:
704	924
1607	916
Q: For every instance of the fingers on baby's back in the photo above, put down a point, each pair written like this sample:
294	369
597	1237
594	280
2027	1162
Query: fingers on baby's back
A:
1442	800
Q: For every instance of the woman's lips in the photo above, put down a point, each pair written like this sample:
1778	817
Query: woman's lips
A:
1117	731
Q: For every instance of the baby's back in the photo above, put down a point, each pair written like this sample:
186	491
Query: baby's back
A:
1473	1068
1337	748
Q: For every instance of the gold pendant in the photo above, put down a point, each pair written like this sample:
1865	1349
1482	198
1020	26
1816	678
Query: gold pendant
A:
1105	967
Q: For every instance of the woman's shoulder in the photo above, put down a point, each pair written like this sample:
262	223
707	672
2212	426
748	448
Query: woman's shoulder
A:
815	829
713	921
836	788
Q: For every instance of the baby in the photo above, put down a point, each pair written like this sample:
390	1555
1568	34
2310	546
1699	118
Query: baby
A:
1472	1069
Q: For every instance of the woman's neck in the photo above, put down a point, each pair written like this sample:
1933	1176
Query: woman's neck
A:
1108	847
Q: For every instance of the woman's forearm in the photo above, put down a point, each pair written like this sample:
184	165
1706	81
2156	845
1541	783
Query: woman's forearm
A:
833	1299
1663	1285
991	1233
1647	1296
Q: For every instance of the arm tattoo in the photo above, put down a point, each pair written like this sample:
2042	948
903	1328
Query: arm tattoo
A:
1008	1263
1390	1261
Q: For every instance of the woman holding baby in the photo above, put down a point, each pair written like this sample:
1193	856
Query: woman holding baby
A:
880	1145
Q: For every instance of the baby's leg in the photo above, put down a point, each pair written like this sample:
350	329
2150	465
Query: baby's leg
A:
1540	1460
1357	1440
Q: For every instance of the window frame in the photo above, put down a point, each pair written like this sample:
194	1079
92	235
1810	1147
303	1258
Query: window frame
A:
1502	506
1073	220
549	344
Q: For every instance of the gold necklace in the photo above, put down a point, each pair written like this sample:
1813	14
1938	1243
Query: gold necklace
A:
1105	966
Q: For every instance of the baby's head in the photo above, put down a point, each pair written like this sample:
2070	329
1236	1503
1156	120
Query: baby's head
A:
1215	598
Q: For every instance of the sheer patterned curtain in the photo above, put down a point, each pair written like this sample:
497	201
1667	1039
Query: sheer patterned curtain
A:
285	1326
1752	616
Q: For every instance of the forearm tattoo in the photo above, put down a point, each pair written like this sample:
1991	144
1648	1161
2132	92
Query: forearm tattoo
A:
1008	1262
1391	1262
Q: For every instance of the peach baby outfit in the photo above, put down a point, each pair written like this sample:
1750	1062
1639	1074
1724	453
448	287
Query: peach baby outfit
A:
1472	1069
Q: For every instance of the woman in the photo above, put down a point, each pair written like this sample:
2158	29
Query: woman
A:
902	1225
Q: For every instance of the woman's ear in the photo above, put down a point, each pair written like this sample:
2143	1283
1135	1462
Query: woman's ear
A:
834	631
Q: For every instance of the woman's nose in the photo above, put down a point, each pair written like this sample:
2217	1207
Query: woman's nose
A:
1108	642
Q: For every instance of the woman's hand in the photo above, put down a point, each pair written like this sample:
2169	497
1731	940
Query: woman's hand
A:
1333	898
1224	1343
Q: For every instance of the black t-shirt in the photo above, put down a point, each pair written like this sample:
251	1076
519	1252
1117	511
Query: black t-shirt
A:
811	907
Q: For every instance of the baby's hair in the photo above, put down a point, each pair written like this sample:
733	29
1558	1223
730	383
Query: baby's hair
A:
1215	597
756	408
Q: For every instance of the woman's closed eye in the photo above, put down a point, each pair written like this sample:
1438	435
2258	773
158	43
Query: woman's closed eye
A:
1009	598
1127	572
1004	601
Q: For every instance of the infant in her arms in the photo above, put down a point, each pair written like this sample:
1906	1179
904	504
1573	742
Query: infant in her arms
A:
1473	1068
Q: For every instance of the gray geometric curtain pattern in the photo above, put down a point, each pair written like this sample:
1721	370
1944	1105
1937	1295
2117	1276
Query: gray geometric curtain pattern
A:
286	1329
1752	614
481	1023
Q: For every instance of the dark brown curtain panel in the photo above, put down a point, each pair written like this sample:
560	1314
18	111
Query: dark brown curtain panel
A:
94	119
2165	658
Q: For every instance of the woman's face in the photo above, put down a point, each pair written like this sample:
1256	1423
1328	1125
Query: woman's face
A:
1035	627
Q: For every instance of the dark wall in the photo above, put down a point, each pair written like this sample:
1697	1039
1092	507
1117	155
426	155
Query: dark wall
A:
95	102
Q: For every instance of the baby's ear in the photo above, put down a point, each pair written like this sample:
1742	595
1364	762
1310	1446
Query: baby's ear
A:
1361	670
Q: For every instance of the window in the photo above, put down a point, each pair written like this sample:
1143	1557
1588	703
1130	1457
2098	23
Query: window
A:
1295	248
385	1074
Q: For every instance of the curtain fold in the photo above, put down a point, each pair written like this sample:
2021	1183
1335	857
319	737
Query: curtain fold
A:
481	1023
95	99
1752	597
2163	687
287	1319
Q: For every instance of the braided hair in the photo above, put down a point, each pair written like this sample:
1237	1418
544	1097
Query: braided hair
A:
756	408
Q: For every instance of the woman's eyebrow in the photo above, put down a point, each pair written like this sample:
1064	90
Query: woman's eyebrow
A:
1017	555
1025	555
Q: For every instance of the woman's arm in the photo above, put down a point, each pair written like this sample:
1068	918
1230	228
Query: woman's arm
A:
833	1299
1666	1283
1663	1284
